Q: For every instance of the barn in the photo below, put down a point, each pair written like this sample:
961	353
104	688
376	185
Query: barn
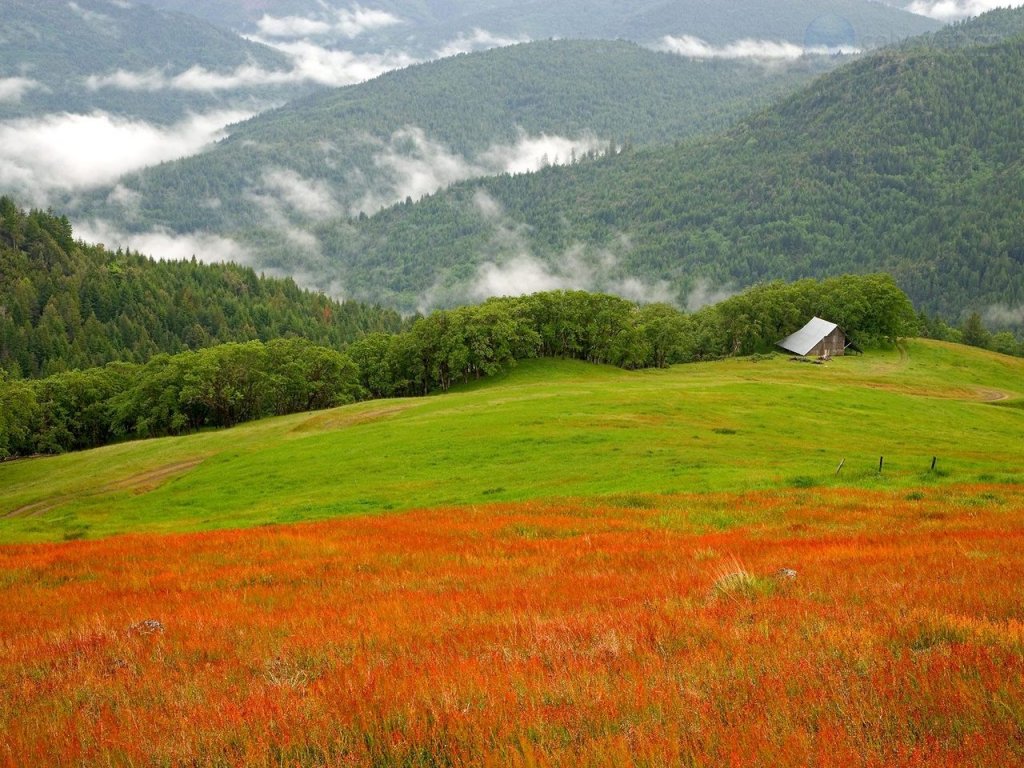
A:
819	338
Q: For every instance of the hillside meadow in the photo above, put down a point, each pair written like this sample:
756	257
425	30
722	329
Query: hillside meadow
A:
571	565
551	429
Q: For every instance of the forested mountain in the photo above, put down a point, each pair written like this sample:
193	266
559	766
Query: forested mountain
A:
423	27
49	51
65	305
907	161
406	133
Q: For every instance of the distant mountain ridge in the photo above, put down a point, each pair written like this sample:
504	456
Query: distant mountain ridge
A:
422	28
353	150
907	161
53	49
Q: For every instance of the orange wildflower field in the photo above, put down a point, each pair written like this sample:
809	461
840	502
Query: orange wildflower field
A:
794	627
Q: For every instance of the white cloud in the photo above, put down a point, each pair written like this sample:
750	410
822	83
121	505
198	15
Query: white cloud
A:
354	22
67	152
951	10
162	244
311	198
291	26
194	79
287	202
479	39
124	197
331	67
414	165
90	16
637	290
310	63
759	50
513	270
531	153
488	207
13	88
519	276
1000	315
347	22
704	294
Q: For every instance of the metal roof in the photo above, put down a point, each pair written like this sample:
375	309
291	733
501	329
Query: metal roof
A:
804	340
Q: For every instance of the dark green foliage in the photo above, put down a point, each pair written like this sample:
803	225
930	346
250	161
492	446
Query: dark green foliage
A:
908	161
59	48
464	344
462	106
66	305
215	387
987	29
232	383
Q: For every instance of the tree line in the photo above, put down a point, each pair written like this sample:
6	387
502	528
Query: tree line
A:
232	383
67	305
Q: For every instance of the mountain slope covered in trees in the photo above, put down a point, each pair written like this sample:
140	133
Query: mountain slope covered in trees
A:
908	161
425	27
52	49
357	149
66	305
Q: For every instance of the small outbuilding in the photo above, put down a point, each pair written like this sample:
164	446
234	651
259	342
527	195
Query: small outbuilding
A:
819	338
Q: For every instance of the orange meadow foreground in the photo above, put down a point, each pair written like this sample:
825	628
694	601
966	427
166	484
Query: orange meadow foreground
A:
847	627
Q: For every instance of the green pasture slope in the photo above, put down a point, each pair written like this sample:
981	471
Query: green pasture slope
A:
552	429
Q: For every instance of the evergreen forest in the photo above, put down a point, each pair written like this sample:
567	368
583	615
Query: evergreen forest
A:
66	305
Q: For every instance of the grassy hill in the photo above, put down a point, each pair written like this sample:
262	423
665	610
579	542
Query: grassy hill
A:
356	149
906	161
553	429
58	46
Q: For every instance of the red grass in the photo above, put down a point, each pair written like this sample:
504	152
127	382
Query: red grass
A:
532	634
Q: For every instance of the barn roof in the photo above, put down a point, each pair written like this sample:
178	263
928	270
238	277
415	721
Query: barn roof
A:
804	340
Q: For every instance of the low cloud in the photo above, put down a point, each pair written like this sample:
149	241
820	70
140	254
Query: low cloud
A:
65	152
511	269
951	10
704	294
163	244
309	198
487	206
13	88
415	165
518	276
637	290
347	22
311	63
326	66
292	26
1000	316
289	204
477	40
531	153
196	79
524	273
757	50
91	17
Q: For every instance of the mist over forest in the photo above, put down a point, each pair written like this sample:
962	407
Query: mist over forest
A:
304	138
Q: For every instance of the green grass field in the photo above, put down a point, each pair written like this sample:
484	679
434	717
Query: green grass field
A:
552	429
